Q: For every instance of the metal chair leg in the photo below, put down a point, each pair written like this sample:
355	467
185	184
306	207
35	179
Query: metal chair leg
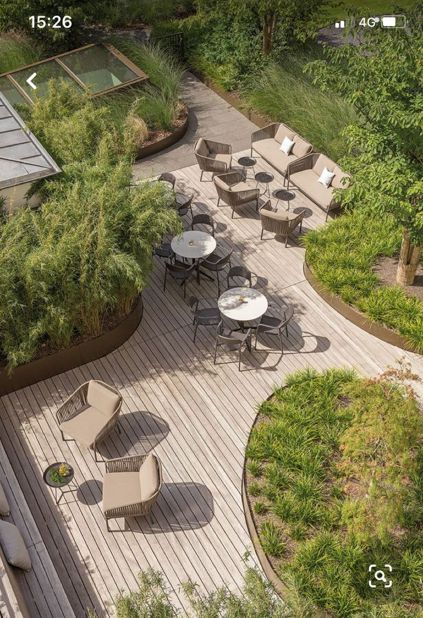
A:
195	330
201	175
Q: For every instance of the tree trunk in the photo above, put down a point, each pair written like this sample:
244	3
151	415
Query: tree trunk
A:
408	260
268	29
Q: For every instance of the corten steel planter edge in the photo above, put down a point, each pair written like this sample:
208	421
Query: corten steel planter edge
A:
354	315
74	356
165	142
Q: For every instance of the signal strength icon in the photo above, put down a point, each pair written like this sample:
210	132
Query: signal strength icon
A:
340	24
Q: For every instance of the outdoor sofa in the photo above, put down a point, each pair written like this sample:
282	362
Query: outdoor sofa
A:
267	143
234	191
214	157
305	174
90	414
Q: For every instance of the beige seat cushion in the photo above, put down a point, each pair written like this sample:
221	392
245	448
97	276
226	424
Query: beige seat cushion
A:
241	186
283	132
307	181
102	398
4	504
120	489
225	158
13	546
85	426
149	478
270	150
300	147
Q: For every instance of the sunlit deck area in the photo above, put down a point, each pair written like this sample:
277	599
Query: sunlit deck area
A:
195	415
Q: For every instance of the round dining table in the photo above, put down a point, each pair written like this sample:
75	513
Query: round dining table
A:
242	305
194	245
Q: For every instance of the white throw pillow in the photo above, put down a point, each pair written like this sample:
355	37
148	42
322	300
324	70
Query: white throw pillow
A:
326	177
287	145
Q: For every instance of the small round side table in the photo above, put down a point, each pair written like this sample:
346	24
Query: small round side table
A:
283	195
264	178
247	163
58	485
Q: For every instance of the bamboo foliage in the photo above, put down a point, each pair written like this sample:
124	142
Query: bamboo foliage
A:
86	254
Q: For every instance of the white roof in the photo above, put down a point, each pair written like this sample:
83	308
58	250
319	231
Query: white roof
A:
22	158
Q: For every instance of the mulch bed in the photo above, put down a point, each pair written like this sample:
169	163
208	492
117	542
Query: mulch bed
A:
386	270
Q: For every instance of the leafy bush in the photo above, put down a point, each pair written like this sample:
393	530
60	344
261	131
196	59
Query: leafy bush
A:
343	254
85	255
343	461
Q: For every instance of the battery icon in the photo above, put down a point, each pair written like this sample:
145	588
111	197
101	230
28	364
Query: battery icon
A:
393	21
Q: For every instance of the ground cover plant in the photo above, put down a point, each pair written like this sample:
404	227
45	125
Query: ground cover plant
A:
17	50
152	599
335	462
72	267
343	256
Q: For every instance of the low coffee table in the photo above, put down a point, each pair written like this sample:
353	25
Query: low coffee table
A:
264	178
247	163
283	195
58	484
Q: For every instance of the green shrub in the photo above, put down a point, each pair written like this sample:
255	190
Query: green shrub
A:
361	503
86	254
17	51
343	254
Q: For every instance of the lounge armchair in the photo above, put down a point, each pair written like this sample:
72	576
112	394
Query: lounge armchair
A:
90	414
279	222
234	191
305	174
131	486
267	143
212	156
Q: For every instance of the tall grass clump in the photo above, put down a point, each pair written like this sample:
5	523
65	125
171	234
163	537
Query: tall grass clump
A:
82	259
16	51
341	488
284	93
343	255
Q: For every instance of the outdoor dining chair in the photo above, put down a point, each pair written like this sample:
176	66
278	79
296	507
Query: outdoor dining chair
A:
238	272
164	250
232	339
90	414
216	263
183	204
131	486
208	316
270	325
203	219
179	271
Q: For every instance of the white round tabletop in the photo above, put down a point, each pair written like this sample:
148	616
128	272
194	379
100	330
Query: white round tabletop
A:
193	244
242	304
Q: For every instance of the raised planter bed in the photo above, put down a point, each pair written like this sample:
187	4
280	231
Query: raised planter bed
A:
79	354
166	140
355	316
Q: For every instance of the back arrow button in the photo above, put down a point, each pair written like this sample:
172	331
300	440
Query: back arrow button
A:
30	79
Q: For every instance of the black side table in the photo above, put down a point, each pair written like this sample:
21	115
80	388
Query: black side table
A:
58	484
264	178
247	163
283	195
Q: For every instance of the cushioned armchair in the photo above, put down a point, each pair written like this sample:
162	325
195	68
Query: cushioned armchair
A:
131	486
90	414
305	174
234	191
281	223
212	156
267	143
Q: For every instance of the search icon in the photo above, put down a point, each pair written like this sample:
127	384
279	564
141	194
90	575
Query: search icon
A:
380	576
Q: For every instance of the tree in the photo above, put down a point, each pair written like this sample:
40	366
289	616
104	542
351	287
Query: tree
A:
269	14
383	78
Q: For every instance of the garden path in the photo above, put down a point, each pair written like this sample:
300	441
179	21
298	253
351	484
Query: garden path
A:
209	116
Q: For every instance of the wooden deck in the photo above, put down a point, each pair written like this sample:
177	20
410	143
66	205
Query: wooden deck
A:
195	415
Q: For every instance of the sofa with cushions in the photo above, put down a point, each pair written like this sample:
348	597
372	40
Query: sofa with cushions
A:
317	177
267	142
